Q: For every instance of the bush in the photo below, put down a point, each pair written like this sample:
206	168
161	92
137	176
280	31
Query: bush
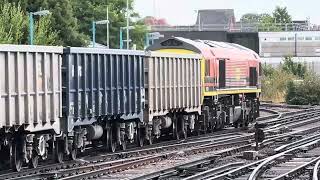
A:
297	69
274	85
291	83
305	92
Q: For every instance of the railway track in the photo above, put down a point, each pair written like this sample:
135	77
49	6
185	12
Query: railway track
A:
200	170
291	160
203	171
103	159
276	114
290	163
104	164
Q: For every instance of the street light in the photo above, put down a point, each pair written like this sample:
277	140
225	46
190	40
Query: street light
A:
31	14
128	16
199	19
94	23
94	29
121	38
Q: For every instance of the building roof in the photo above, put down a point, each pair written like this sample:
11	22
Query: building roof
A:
216	16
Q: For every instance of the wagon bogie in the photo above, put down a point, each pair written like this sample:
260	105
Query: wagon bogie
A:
173	93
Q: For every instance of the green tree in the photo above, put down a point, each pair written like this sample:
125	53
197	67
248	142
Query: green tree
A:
12	23
250	18
274	86
304	92
297	69
268	70
281	15
267	23
88	11
62	20
44	34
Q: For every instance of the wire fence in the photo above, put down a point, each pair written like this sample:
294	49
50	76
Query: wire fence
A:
239	27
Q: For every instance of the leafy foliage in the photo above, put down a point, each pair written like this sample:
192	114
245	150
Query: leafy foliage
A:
61	21
88	11
281	15
291	83
14	26
250	18
269	22
70	22
12	23
267	70
297	69
274	84
44	34
304	92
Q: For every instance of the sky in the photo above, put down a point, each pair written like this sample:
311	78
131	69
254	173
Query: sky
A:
183	12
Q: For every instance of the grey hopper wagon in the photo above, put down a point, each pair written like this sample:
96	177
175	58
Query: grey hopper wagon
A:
173	87
30	102
30	88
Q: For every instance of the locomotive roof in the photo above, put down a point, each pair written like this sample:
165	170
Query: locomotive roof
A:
201	46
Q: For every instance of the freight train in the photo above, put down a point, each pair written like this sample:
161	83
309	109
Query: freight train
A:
57	101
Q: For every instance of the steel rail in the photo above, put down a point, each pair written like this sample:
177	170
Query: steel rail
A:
211	172
236	171
254	175
121	167
315	171
296	170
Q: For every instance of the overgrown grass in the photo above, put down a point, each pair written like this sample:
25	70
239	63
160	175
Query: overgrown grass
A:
274	85
291	83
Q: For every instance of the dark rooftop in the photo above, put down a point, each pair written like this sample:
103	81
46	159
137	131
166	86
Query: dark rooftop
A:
216	16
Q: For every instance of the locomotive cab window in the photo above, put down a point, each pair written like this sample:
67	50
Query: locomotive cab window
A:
222	73
260	69
253	78
207	69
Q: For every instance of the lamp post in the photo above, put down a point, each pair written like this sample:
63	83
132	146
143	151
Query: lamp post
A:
94	23
121	36
31	14
199	19
128	16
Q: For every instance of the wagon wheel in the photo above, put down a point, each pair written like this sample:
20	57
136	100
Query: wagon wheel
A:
33	163
184	134
123	145
140	137
111	142
213	126
183	128
236	125
59	152
150	141
5	156
197	129
73	154
16	157
175	131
